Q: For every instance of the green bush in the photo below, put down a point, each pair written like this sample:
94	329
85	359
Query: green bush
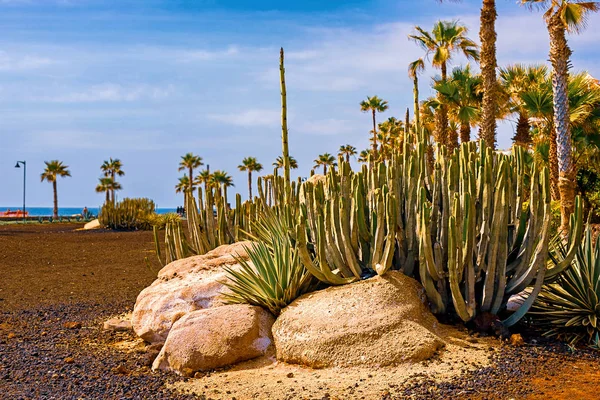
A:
569	308
128	214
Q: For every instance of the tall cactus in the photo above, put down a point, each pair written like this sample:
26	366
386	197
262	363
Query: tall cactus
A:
284	128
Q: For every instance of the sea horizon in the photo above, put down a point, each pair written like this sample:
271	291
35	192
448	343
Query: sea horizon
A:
69	211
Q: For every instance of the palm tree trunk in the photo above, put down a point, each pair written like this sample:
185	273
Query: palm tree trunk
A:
55	211
559	58
324	169
416	105
441	129
553	162
465	132
250	185
191	174
452	140
107	196
112	191
348	158
374	136
523	137
487	35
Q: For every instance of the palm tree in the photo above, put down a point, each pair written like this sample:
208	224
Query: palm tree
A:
461	93
347	151
53	170
446	38
183	185
279	163
112	168
325	160
413	72
562	16
515	80
190	162
487	37
107	185
222	179
250	164
584	117
363	157
374	105
391	136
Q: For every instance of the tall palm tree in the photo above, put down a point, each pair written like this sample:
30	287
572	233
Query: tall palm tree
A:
251	165
445	39
347	151
374	105
107	185
563	16
515	80
53	170
584	117
183	185
279	162
190	162
413	72
461	93
488	63
325	160
112	168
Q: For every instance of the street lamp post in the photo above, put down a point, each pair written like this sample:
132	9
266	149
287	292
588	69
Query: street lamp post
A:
18	165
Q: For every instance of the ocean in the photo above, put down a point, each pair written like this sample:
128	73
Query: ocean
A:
67	211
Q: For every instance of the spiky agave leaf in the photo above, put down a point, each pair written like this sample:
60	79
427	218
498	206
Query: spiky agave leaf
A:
569	308
272	278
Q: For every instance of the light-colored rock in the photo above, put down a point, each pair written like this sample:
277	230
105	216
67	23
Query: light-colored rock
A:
94	224
207	339
117	324
316	178
377	322
183	286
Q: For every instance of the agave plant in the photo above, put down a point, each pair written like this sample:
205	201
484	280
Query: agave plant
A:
274	276
272	279
569	308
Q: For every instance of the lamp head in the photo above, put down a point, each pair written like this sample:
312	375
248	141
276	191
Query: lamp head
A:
18	165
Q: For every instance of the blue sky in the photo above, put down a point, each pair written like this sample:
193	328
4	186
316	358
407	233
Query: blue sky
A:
147	81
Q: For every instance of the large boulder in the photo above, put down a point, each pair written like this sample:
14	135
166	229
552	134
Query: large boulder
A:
183	286
207	339
376	322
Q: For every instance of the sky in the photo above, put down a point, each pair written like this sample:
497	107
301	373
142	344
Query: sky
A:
147	81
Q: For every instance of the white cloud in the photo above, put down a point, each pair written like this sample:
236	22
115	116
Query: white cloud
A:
111	92
248	118
10	62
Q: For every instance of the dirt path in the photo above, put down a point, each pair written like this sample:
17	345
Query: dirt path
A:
53	275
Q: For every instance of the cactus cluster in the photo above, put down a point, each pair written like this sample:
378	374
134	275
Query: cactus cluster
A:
128	214
463	224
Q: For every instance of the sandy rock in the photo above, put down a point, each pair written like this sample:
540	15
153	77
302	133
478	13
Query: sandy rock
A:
117	324
379	321
183	286
94	224
213	338
516	340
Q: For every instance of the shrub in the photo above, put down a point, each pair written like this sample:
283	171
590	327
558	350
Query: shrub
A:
569	308
128	214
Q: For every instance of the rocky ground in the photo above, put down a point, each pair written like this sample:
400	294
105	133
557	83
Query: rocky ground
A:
58	286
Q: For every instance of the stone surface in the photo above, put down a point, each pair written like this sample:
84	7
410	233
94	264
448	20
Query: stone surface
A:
183	286
118	324
377	322
93	224
207	339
